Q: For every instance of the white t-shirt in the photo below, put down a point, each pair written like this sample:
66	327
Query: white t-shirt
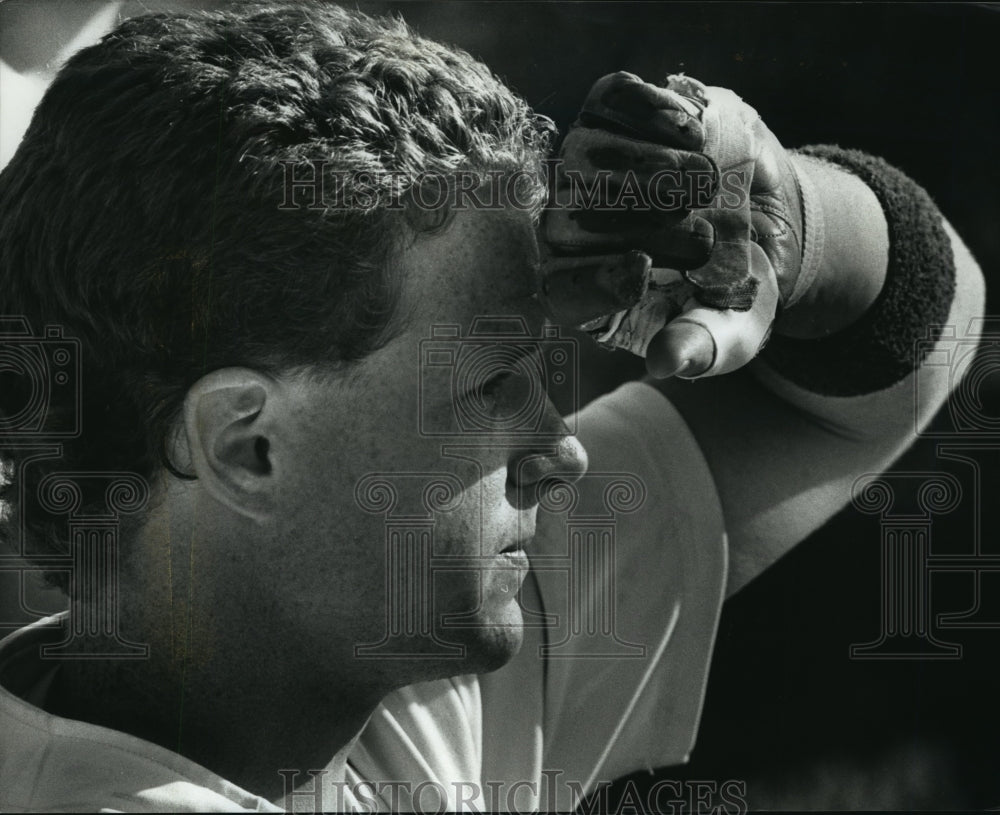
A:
630	580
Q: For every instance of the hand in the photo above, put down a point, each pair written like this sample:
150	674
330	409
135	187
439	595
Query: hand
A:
775	200
710	170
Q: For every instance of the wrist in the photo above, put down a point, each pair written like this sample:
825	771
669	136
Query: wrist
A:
887	339
845	251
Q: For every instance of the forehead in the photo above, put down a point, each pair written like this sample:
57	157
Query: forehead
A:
485	262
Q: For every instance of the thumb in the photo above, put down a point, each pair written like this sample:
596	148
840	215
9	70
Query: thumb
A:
680	348
704	341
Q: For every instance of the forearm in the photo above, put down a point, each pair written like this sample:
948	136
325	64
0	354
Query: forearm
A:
887	271
831	442
786	443
888	418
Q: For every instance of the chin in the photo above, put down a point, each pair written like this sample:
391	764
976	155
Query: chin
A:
498	643
500	631
477	626
488	639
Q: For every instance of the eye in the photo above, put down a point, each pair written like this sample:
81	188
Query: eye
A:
491	387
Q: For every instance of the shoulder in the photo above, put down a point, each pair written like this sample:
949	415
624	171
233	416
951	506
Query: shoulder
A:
631	568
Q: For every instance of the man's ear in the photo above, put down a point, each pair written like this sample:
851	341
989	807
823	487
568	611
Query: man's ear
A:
230	421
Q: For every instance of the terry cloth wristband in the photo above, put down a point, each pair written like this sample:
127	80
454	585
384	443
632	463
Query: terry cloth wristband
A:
878	350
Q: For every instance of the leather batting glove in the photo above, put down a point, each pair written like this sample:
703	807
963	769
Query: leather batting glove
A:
686	175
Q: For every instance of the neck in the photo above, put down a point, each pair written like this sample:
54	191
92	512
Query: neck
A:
234	713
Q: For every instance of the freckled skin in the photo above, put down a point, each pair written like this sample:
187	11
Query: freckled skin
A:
254	618
484	263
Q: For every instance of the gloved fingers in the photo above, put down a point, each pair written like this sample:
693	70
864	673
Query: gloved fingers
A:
727	280
733	129
652	312
622	102
598	166
729	128
633	328
732	138
687	86
707	342
612	192
707	304
619	300
711	247
576	290
686	244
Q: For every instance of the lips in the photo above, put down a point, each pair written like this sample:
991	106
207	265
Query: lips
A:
517	546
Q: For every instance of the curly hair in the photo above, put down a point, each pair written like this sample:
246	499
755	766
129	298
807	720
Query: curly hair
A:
142	214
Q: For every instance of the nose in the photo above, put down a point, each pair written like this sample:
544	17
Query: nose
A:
556	458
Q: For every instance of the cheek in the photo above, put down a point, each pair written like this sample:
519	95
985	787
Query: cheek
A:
333	449
483	520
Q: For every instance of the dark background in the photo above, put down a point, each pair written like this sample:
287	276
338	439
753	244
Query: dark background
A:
787	710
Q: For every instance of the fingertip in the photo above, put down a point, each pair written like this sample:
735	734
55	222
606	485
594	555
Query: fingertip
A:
682	348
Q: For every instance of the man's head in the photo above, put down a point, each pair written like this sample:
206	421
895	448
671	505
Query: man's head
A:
253	361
